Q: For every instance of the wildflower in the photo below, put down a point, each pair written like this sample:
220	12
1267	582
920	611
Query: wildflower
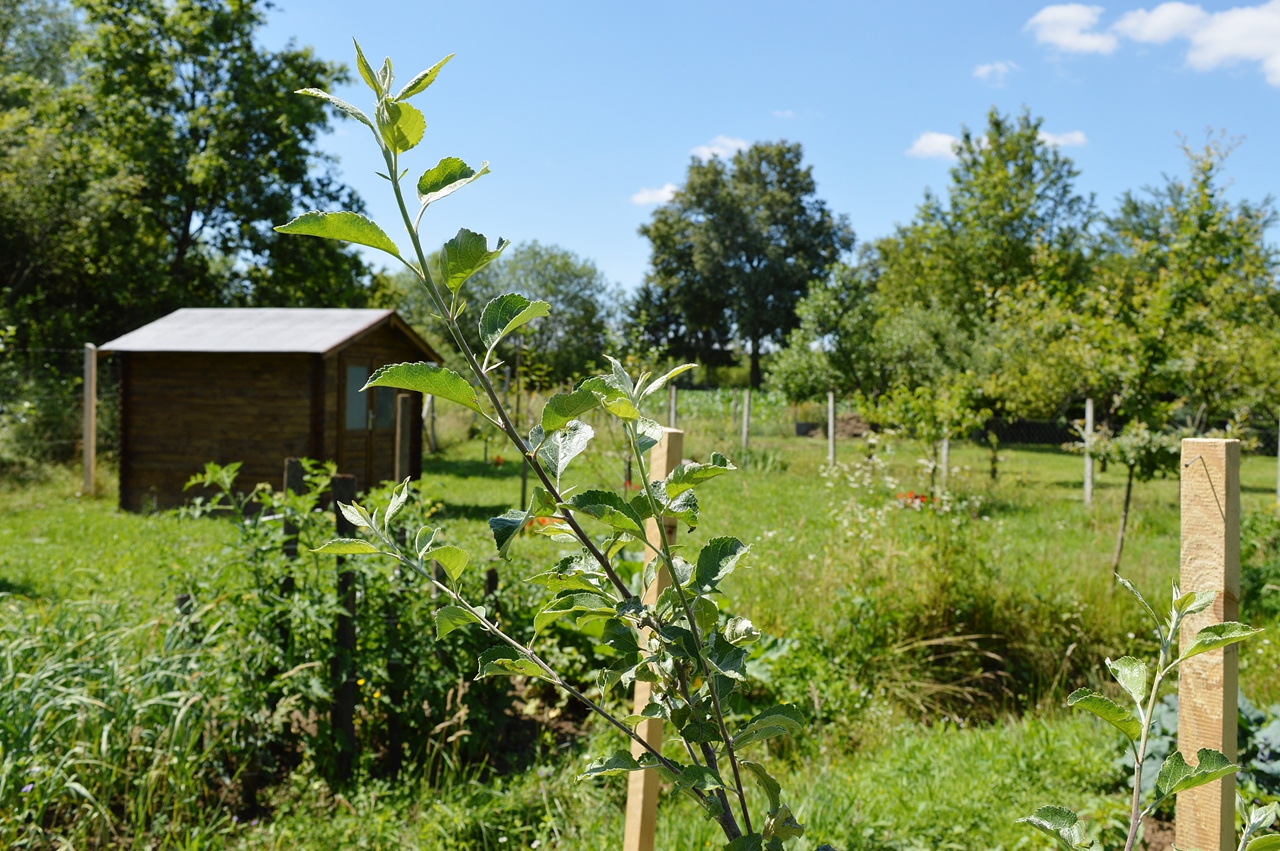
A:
28	788
360	681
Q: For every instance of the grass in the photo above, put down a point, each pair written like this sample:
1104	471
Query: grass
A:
1024	557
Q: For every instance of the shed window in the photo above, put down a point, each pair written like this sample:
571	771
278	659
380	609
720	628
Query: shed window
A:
384	401
357	403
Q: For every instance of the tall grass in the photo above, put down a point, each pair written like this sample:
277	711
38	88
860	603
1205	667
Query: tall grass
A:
111	728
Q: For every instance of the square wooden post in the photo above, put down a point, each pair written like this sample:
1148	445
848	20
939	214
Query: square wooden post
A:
1088	457
89	439
1207	683
642	786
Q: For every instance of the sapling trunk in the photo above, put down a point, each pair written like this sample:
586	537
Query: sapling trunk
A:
1124	520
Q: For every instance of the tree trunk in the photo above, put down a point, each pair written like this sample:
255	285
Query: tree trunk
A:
1124	521
755	365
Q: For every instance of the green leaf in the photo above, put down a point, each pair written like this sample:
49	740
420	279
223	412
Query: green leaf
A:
740	631
366	70
419	83
402	125
505	526
562	408
770	786
1264	843
399	498
1176	776
345	226
648	434
1060	823
1108	711
450	618
699	777
785	719
1193	602
1217	635
1132	676
1141	599
506	661
781	824
464	255
586	602
618	762
746	842
609	508
447	177
426	379
351	110
662	382
506	313
688	475
716	561
564	444
356	515
612	395
453	559
542	504
347	547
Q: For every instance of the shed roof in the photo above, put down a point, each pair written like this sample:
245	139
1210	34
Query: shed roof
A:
317	330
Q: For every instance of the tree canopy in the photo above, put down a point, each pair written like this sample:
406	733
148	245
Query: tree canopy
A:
149	179
732	254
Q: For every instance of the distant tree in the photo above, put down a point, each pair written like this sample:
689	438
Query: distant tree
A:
734	251
570	342
151	180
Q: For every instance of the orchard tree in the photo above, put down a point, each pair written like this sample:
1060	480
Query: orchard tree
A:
734	251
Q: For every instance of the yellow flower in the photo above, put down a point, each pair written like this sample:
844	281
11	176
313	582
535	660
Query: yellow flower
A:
376	694
360	681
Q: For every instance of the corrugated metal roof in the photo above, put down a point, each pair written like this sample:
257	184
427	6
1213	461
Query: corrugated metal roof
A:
249	329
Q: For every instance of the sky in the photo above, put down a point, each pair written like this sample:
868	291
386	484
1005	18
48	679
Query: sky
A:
590	112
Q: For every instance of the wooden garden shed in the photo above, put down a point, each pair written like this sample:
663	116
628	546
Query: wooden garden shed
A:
258	385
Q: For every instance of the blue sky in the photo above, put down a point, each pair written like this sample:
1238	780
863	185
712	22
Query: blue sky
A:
587	111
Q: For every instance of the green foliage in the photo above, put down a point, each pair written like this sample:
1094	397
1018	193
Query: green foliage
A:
732	254
695	662
1175	774
146	180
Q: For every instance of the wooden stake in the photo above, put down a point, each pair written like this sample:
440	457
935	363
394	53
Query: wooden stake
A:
89	438
1088	458
671	406
404	422
944	464
746	417
642	786
1207	683
831	428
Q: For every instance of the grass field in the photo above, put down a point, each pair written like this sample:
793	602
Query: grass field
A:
844	573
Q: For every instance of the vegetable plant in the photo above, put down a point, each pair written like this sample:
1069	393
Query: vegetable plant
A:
693	656
1141	684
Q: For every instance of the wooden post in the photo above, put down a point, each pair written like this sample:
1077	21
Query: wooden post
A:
342	713
671	405
404	422
1207	683
831	428
429	416
944	464
1088	458
89	439
293	483
642	786
746	417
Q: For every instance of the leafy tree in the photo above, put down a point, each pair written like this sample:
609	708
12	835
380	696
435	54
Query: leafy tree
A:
734	251
580	298
36	37
149	182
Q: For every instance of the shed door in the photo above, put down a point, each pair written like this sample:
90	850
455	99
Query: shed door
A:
369	427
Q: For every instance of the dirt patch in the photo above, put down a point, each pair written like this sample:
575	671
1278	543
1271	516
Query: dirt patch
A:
1158	835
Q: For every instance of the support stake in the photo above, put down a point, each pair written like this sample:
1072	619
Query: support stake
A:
642	786
89	438
1088	458
1207	684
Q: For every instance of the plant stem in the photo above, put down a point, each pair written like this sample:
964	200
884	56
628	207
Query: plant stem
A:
1124	521
1135	815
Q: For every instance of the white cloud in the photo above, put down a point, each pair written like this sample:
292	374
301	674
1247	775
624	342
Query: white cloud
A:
721	146
932	145
1164	22
1215	39
1072	138
1068	26
660	195
995	72
784	113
